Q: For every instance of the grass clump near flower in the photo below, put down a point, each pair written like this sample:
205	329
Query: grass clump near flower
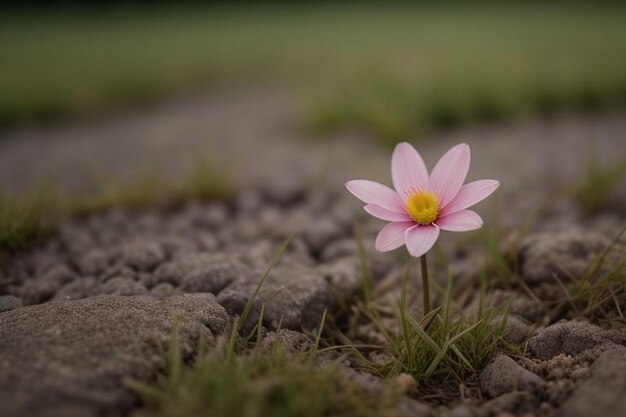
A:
445	344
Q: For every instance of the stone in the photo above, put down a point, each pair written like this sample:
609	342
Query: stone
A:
163	290
284	190
123	286
321	233
289	340
344	275
212	274
42	288
9	302
603	393
571	338
516	401
143	255
406	382
520	305
174	245
248	201
93	263
461	410
118	270
71	358
504	375
215	215
561	253
293	298
200	272
340	248
81	288
37	291
414	408
515	330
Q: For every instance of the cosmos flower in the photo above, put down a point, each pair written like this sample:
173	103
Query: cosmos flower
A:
422	205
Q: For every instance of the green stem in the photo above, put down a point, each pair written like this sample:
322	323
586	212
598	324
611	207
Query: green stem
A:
425	289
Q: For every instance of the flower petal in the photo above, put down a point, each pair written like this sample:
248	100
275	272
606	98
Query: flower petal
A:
374	193
408	170
385	214
470	194
391	236
461	221
419	239
449	173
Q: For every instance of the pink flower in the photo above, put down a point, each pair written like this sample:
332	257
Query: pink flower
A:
422	205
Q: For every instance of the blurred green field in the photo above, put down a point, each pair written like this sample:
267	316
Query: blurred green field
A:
394	69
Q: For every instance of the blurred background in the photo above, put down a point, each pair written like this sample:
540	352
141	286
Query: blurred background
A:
395	69
114	89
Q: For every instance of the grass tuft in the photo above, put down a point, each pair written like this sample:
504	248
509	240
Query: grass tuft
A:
445	343
254	385
260	382
593	193
27	219
600	294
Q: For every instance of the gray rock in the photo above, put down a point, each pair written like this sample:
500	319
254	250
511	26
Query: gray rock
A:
248	201
163	290
294	298
515	330
343	275
119	270
143	255
45	262
321	232
37	291
206	242
414	408
603	393
246	229
123	286
571	338
93	263
270	219
513	402
461	410
200	272
174	245
42	288
289	340
504	375
71	358
81	288
543	255
9	302
284	191
520	305
340	248
215	215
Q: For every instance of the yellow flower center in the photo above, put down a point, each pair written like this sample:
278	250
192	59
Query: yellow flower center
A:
422	207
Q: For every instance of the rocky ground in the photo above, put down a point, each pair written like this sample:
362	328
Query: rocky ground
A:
95	303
